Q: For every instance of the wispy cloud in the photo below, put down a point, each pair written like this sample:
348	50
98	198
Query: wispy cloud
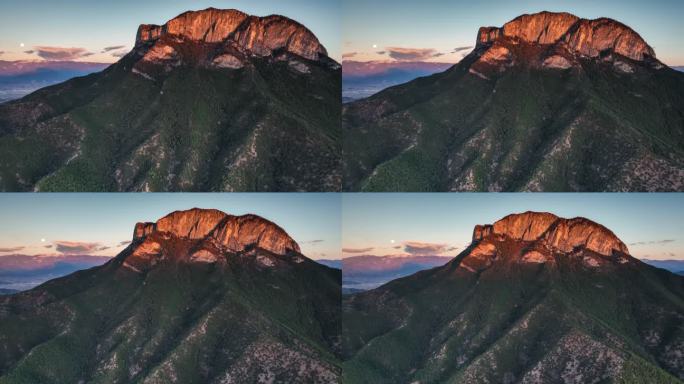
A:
653	242
48	246
410	54
356	250
418	248
2	53
312	242
459	49
119	54
29	52
126	242
349	54
76	247
11	249
381	52
61	53
112	48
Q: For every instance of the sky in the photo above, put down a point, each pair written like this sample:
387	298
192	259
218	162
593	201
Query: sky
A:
74	223
77	28
443	31
651	225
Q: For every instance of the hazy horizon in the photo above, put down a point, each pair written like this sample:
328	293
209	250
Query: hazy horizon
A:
101	224
100	32
438	31
434	224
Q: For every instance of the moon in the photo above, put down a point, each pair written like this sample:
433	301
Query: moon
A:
375	45
42	240
392	241
21	45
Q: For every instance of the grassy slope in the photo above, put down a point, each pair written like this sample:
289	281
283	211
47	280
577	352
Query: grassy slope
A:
445	325
190	322
130	133
440	114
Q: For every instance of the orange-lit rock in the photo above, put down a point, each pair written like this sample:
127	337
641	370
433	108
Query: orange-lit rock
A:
564	235
217	230
586	37
258	35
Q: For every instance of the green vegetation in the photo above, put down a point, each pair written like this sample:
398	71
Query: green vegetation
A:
265	128
516	321
521	129
190	323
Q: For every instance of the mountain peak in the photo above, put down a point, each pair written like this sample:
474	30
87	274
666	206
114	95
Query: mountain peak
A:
260	36
205	234
589	38
562	234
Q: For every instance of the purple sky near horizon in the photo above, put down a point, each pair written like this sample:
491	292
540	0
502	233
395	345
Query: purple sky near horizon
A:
100	223
650	224
331	226
443	31
99	31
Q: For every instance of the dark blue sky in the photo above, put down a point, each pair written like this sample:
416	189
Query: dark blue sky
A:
444	25
34	221
94	25
652	225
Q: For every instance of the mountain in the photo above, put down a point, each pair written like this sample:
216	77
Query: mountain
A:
360	273
200	296
670	265
21	272
548	102
534	299
19	78
214	100
4	291
361	79
337	264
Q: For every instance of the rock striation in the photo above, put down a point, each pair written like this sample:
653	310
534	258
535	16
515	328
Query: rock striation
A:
559	233
211	232
586	37
259	35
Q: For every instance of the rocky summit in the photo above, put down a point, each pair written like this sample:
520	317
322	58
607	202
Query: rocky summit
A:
589	38
213	100
210	234
535	298
199	296
547	102
257	35
562	234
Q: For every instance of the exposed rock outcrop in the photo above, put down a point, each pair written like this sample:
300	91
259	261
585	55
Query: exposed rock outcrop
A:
218	230
586	37
258	35
562	234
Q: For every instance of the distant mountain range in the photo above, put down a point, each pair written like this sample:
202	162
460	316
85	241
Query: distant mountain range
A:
361	79
337	264
676	266
548	102
19	78
22	272
199	296
361	273
534	299
214	100
364	272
